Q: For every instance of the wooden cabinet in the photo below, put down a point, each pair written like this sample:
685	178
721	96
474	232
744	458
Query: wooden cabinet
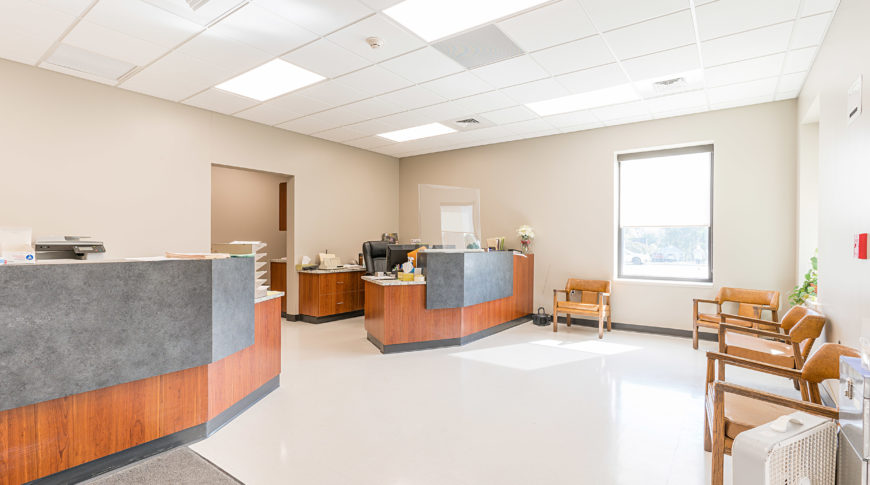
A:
278	271
330	296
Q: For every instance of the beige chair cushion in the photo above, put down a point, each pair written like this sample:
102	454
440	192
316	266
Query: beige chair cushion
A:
744	413
761	350
572	306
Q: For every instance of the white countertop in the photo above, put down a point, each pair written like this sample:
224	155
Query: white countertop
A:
345	269
382	281
270	295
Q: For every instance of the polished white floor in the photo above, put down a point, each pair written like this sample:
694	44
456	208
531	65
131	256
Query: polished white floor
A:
525	406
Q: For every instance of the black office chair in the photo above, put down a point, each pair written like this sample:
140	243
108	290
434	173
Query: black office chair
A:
375	256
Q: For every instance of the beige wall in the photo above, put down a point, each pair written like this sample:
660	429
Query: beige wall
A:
77	157
844	171
244	207
563	186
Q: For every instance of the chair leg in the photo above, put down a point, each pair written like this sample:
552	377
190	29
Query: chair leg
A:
600	326
555	321
695	335
797	384
718	438
609	318
568	319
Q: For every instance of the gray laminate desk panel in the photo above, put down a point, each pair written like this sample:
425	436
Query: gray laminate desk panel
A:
72	328
460	279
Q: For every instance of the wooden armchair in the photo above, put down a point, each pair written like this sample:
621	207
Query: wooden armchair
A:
731	409
800	326
594	301
750	303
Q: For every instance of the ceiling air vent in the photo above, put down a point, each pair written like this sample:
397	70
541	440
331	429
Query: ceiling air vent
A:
195	4
480	47
468	122
670	85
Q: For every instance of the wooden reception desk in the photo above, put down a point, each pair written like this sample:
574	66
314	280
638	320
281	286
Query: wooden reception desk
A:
397	318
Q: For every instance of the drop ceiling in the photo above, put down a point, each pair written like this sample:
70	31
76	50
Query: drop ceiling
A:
729	52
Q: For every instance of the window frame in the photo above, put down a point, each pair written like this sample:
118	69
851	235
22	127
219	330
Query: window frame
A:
656	153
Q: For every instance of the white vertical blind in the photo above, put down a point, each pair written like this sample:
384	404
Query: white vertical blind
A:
665	188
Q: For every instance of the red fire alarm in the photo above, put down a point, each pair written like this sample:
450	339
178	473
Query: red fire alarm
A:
860	249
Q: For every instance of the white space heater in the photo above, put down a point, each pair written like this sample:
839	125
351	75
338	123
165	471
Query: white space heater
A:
796	449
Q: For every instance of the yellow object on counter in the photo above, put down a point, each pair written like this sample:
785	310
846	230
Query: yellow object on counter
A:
405	276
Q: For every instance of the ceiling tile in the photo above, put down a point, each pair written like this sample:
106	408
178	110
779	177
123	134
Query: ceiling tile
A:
582	127
297	103
111	43
306	125
663	63
319	16
326	59
509	115
374	80
423	65
759	89
268	114
458	85
747	45
673	102
611	14
28	30
668	32
374	108
374	127
547	26
536	125
442	112
369	142
204	15
726	17
380	4
343	115
511	72
812	7
216	49
780	95
79	74
176	77
799	60
333	92
264	30
71	7
810	31
572	119
736	72
220	101
627	120
621	111
593	79
396	40
339	134
679	112
791	82
411	98
536	91
143	21
482	103
735	103
574	56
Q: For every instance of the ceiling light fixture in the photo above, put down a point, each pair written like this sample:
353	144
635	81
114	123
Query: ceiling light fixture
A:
417	132
433	20
272	79
592	99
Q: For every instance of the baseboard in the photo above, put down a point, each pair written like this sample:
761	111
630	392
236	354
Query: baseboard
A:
288	316
123	458
450	342
629	327
329	318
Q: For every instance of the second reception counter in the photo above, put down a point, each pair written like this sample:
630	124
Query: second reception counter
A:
467	296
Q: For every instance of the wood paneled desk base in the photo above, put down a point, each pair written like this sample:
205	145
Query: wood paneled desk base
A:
396	318
75	437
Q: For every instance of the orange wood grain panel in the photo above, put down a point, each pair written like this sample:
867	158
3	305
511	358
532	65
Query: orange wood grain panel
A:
406	318
278	273
48	437
309	294
374	310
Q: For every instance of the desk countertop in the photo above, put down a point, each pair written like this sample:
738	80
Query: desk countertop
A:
391	281
350	269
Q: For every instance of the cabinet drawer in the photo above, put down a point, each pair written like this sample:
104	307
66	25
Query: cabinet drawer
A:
333	303
337	282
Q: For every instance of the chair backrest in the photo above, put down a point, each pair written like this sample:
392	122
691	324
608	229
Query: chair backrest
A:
766	298
825	363
589	289
375	256
804	326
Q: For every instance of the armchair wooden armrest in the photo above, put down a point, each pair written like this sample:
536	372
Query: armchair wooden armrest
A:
751	365
703	300
750	319
556	291
754	331
807	407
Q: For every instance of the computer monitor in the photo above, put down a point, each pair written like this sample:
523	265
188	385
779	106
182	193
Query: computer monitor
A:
397	254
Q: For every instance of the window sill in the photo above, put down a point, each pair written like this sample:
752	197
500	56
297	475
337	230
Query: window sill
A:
683	284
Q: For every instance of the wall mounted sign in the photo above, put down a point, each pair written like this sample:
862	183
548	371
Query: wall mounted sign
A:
860	248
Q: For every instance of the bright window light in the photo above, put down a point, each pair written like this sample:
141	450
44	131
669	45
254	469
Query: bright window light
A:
273	78
434	19
417	132
592	99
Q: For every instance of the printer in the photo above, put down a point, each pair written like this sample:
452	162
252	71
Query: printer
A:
70	247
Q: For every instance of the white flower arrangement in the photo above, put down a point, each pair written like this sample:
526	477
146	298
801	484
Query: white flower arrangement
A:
526	233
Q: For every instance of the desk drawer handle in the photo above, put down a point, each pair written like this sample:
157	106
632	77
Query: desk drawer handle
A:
340	282
340	303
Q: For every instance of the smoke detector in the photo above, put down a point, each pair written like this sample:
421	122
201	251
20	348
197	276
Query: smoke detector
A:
375	42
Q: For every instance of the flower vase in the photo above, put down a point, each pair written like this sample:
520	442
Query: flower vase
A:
526	245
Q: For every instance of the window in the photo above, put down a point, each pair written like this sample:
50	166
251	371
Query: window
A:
665	213
457	223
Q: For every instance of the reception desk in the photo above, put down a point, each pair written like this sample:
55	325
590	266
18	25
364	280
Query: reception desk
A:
105	363
398	316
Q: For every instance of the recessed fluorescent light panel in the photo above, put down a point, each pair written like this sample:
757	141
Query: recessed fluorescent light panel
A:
434	19
417	132
592	99
272	79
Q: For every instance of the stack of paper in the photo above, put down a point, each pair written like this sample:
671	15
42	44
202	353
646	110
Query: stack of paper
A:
248	249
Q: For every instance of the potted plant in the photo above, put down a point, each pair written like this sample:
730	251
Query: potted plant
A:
526	234
809	289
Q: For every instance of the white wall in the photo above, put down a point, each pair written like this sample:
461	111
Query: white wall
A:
563	186
77	157
844	171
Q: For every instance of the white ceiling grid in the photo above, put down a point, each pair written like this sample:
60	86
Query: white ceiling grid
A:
742	52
